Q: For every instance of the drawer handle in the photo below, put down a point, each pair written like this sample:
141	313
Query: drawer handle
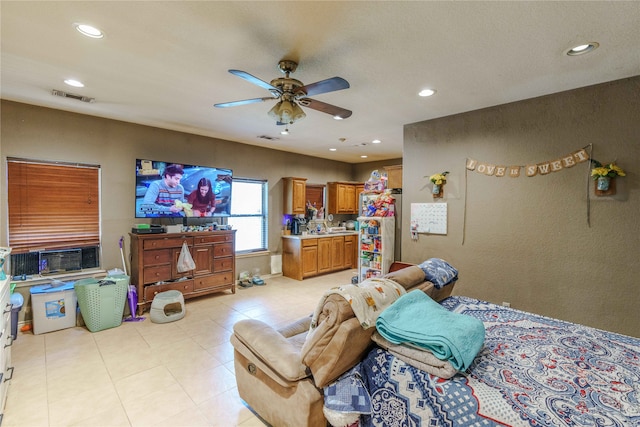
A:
11	376
10	342
7	308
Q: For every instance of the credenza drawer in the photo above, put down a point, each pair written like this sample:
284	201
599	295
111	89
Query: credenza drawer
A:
222	264
157	274
184	286
168	242
212	281
158	256
223	250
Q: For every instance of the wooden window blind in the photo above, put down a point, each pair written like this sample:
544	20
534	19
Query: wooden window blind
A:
52	205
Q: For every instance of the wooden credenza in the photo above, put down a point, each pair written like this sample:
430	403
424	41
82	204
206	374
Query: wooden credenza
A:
154	259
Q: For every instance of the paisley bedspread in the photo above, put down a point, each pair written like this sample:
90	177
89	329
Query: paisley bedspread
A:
532	371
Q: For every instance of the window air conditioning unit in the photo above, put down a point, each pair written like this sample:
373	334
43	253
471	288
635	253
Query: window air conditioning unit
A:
55	262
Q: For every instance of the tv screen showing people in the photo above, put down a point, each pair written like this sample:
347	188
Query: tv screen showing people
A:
175	190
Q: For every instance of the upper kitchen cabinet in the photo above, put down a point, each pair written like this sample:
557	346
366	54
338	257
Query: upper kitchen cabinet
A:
342	197
294	195
394	176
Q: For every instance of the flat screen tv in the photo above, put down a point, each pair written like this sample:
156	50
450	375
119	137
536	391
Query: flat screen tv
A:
177	190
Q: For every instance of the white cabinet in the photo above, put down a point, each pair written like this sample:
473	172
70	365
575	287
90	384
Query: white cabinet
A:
5	341
375	246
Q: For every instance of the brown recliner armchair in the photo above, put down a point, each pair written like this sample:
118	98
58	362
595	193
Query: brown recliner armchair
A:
281	373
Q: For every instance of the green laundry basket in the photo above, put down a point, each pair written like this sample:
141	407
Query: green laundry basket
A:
102	301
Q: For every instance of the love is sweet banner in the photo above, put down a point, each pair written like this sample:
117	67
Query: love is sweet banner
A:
530	170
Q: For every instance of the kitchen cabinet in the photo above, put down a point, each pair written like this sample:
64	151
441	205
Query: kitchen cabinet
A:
295	199
342	198
394	176
350	259
6	340
337	253
154	259
313	256
324	256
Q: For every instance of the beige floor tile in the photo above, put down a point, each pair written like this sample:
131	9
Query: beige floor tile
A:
226	409
188	418
74	409
206	384
151	409
147	374
140	385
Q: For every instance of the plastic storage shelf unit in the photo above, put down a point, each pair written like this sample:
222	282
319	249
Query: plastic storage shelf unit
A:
102	301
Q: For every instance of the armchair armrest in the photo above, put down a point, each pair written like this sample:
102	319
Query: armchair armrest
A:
279	356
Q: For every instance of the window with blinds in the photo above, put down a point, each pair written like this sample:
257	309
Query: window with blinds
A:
52	205
249	214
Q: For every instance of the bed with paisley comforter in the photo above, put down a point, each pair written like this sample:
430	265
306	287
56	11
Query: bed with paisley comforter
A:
531	371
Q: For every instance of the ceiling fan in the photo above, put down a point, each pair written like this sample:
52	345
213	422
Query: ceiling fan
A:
291	93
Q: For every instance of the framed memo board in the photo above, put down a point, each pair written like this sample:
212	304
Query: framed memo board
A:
429	217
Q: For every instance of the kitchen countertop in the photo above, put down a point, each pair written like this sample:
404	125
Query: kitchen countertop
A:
321	235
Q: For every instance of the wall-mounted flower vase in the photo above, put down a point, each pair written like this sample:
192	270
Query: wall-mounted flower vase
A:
602	183
604	177
437	191
605	186
438	180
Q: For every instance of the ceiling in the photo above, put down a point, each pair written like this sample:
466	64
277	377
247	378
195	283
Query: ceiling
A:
165	64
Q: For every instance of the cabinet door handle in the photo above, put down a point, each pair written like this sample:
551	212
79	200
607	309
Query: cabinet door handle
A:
10	343
8	308
10	368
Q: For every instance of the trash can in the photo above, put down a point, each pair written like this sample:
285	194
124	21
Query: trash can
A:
17	301
102	301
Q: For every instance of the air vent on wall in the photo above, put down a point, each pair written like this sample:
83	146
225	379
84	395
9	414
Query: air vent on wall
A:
72	96
268	138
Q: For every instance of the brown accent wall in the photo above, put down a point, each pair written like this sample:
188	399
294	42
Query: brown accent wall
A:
41	133
526	240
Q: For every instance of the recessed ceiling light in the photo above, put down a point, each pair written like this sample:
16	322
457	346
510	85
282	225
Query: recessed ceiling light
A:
426	92
74	83
89	31
582	49
376	141
333	149
363	156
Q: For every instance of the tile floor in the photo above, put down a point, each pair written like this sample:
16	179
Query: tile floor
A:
148	374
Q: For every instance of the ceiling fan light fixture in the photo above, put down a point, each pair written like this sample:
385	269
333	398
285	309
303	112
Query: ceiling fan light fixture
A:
337	118
285	132
286	111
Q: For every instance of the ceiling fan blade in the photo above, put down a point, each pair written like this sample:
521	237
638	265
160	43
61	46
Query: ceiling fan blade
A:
243	102
325	108
323	86
256	81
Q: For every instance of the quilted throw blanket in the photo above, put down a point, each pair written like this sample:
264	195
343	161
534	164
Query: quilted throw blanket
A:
532	371
367	299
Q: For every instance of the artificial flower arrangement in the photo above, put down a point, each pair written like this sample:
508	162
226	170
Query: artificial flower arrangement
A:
603	176
610	171
439	178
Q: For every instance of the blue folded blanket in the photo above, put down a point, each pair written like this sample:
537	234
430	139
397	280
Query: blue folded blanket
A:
417	320
439	272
